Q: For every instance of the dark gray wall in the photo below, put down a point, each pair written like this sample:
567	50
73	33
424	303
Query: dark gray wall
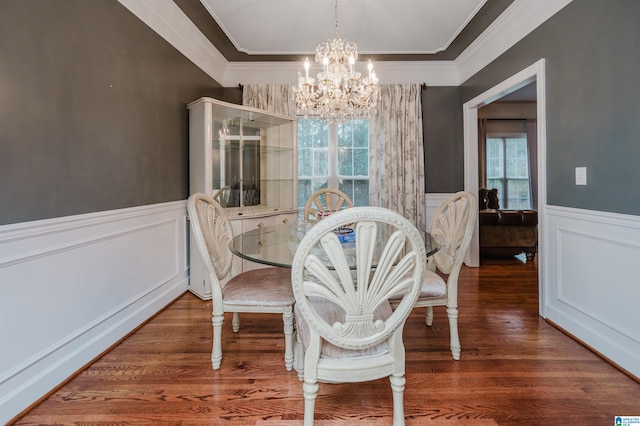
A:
443	142
592	51
92	110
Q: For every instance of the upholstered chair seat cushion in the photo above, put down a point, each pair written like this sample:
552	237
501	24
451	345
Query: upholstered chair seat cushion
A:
433	285
257	287
332	313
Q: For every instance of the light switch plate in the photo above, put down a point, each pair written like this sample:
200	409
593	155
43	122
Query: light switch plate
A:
581	175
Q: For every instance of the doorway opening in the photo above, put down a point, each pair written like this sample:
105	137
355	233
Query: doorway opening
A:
532	74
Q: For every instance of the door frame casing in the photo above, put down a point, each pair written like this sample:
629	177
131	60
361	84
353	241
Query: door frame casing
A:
533	73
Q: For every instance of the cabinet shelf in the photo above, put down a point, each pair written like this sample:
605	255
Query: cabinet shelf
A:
247	151
252	156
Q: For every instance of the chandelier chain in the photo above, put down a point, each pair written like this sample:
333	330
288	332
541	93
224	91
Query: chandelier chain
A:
341	92
336	13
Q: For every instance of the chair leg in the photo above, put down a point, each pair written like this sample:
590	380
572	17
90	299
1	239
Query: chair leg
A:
397	386
452	313
310	390
216	352
235	322
299	357
531	253
428	316
287	317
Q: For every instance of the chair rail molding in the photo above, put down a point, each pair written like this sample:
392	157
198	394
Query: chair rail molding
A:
71	287
432	202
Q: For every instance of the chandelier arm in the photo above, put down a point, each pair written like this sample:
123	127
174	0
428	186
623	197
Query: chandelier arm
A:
341	93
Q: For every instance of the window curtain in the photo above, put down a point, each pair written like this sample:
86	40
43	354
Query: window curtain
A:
396	153
532	151
276	98
482	152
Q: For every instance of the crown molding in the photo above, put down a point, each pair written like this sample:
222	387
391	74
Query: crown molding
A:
166	19
433	73
516	22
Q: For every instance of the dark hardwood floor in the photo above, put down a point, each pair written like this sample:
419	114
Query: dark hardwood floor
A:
516	369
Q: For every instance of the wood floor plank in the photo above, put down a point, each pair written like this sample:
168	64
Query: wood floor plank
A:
516	369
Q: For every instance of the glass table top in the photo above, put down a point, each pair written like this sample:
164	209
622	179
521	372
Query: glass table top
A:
276	245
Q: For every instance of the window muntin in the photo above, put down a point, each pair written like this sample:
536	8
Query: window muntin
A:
507	166
334	155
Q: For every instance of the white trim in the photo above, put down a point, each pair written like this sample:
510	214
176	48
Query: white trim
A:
535	72
517	21
432	202
592	264
39	228
76	285
434	73
168	20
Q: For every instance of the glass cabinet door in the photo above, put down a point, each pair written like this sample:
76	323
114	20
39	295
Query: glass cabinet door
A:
253	159
236	164
247	159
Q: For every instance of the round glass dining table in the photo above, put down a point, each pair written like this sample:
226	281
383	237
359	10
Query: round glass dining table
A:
276	245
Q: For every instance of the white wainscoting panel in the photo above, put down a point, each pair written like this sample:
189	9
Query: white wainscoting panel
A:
432	202
71	287
593	280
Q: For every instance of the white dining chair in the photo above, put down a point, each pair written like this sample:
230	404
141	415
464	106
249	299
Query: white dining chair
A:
325	202
222	196
259	290
346	329
452	226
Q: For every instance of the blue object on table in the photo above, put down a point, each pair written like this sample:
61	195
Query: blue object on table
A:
346	235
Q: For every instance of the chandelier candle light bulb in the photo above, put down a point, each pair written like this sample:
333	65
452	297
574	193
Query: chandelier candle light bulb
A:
340	94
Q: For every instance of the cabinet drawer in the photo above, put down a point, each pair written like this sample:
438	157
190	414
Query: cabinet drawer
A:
257	222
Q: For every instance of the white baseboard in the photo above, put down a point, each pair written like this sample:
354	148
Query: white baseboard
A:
71	287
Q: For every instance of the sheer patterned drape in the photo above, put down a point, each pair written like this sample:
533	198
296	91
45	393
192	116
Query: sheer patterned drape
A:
482	152
277	98
396	153
532	148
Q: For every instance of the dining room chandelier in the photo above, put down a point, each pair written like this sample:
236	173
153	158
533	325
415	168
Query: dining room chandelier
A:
341	92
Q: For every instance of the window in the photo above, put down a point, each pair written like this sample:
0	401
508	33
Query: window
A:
333	155
508	170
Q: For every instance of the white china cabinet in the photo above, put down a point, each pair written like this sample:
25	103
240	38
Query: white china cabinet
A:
248	158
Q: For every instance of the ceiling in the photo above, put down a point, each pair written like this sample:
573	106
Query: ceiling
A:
384	30
432	42
295	26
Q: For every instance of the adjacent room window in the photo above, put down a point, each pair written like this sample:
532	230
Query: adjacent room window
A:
508	170
333	155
